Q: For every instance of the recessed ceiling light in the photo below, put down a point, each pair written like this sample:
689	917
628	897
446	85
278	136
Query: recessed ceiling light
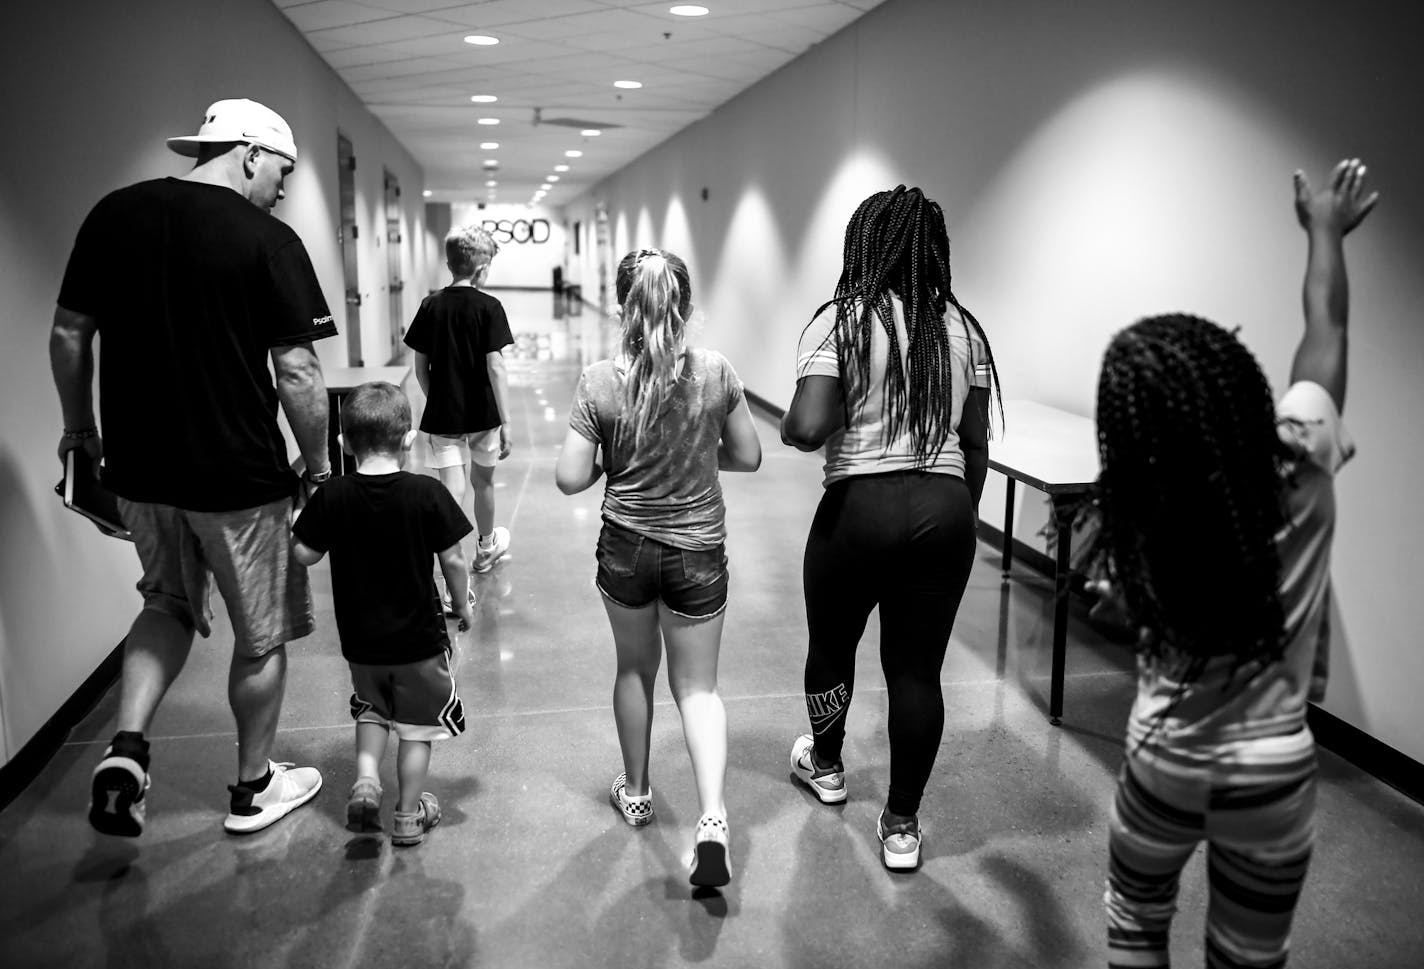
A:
489	145
689	10
573	153
490	163
481	40
427	193
491	183
489	121
590	132
483	98
561	168
552	178
628	85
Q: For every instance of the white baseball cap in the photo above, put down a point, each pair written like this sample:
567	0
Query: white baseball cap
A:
238	119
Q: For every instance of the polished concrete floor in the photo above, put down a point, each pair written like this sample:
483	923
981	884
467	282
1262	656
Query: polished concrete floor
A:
533	868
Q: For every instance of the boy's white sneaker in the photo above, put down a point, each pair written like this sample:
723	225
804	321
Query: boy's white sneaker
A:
487	555
289	788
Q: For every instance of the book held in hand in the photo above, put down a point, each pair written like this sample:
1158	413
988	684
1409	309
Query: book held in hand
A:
85	493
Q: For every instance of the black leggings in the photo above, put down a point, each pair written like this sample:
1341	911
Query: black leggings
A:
903	541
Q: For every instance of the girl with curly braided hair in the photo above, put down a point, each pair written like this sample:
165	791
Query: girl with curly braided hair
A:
1218	514
662	418
894	378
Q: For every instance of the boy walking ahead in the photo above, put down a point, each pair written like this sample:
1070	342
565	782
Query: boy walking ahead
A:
458	337
381	526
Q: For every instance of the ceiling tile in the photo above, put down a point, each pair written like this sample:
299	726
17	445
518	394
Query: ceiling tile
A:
333	13
390	30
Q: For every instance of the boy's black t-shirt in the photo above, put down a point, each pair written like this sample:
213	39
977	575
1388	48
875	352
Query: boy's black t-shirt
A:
192	286
456	328
381	531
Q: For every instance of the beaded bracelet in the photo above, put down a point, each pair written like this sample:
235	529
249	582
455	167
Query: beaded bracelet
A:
82	434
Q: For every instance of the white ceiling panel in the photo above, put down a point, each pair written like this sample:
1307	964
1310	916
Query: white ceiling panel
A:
333	13
413	6
407	61
388	30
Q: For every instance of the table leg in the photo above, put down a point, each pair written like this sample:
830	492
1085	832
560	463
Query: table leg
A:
333	429
1008	526
1063	519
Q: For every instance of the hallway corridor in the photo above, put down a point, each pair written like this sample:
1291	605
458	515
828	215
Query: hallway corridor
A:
531	867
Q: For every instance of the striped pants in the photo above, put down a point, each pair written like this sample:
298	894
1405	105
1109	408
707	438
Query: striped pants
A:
1258	823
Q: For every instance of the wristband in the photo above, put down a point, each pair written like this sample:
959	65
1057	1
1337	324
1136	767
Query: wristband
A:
81	433
317	478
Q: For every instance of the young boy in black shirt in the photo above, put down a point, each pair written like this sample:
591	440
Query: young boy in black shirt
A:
381	526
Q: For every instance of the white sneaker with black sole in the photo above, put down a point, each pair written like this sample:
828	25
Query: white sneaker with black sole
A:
289	788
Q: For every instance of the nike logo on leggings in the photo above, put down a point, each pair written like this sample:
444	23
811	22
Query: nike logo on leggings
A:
825	708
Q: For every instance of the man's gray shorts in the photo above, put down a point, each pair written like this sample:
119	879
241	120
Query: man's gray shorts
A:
249	556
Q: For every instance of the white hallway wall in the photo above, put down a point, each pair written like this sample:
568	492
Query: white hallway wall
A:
97	87
1097	162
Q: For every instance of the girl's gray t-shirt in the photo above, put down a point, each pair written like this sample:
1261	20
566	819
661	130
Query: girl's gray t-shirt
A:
664	487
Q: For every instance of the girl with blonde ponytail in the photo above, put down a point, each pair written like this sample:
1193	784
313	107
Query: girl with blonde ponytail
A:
662	419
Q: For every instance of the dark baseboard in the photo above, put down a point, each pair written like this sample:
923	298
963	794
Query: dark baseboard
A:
1373	756
25	766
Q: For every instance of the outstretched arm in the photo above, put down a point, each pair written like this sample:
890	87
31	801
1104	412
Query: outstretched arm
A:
1327	216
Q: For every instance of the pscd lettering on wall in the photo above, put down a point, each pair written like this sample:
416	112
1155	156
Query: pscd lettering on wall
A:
519	231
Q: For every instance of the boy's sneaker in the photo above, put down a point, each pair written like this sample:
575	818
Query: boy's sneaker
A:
363	809
487	555
711	862
289	788
899	843
409	829
116	804
828	784
637	810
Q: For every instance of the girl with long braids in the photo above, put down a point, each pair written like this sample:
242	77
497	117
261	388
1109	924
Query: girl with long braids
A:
1218	514
661	419
893	378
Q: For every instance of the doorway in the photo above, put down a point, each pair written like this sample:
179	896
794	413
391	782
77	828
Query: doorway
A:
346	236
393	267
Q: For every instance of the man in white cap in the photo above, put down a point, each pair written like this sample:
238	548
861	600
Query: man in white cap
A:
193	285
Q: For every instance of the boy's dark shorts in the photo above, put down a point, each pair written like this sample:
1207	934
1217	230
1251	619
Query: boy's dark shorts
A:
636	571
416	700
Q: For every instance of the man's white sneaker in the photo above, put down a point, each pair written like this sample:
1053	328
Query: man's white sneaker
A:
289	788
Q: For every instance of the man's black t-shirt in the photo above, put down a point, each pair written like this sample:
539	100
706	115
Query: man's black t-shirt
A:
382	531
456	328
192	285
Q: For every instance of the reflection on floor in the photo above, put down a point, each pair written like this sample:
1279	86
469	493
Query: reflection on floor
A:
533	868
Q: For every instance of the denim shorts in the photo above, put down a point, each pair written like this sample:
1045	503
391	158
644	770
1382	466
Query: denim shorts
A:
635	571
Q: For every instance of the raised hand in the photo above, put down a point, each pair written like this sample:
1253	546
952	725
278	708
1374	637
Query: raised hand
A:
1341	205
